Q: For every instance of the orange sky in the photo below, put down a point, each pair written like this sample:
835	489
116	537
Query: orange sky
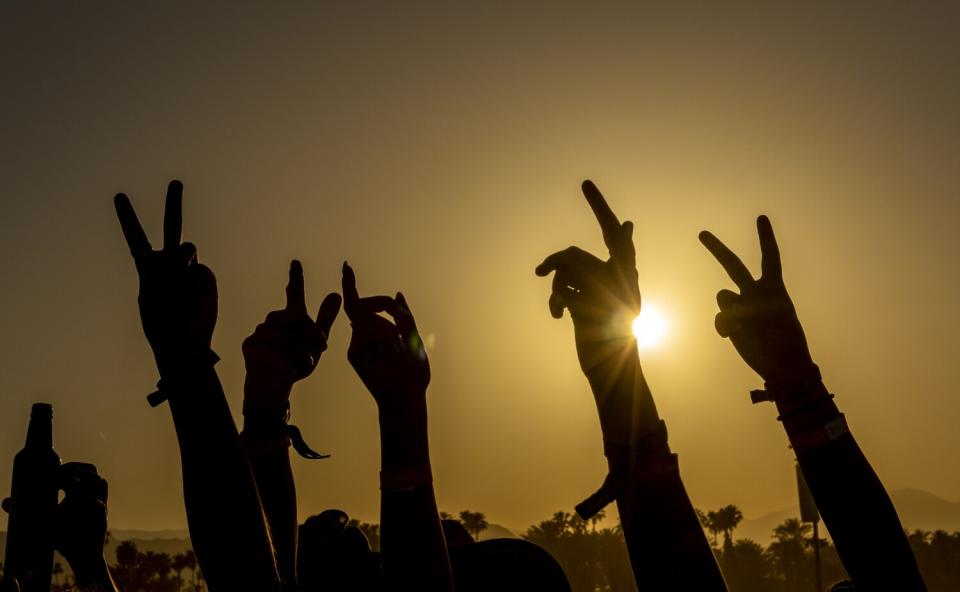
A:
440	150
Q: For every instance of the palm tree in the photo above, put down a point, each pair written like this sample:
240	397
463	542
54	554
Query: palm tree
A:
179	564
474	522
57	572
727	518
789	550
712	524
596	518
190	562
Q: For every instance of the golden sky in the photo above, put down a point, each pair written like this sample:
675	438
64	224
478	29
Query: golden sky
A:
440	150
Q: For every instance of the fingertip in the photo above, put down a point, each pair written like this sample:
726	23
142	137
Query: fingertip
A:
296	267
175	185
587	185
705	236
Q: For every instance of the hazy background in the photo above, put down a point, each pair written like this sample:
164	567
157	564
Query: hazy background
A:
440	149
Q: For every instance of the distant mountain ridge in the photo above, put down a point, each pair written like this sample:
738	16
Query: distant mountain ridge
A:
918	509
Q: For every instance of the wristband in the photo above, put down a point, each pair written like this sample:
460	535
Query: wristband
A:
813	439
406	479
793	396
171	382
266	428
644	448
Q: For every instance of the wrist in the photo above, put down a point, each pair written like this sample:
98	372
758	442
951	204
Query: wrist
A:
403	435
266	389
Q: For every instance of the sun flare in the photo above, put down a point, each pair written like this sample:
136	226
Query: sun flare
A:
650	327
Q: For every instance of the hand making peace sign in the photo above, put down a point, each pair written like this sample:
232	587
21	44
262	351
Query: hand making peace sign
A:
178	295
761	320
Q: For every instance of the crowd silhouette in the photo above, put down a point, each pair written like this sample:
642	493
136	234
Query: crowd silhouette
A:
238	487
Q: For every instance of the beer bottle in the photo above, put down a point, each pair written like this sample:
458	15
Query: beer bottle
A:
32	505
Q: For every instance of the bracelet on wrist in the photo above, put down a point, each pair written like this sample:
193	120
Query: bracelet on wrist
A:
812	439
173	379
406	479
647	456
266	428
787	394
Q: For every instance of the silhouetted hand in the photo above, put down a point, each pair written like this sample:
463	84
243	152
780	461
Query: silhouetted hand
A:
602	296
178	295
388	357
81	526
603	299
286	347
761	320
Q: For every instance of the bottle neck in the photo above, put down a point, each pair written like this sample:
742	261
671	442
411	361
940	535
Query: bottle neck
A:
40	430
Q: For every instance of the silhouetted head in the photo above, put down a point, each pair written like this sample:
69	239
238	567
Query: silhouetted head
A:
455	534
334	556
506	565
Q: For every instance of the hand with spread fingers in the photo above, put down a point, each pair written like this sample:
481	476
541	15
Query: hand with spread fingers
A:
81	526
286	347
178	295
602	296
761	320
388	357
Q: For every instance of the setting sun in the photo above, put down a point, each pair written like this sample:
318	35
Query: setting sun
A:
650	327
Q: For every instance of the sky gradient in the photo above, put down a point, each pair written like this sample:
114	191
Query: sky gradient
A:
440	150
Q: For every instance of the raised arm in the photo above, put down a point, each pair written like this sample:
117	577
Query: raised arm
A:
178	309
762	324
391	361
283	349
668	549
81	526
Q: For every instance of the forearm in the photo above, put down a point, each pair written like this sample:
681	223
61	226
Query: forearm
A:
274	479
226	522
268	450
93	576
668	549
852	501
412	544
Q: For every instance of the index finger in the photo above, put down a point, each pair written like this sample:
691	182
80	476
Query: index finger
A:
609	224
769	251
132	230
296	300
735	268
173	216
350	295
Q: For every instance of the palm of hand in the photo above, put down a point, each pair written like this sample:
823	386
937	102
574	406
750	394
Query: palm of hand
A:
286	347
389	358
603	297
178	295
82	515
761	320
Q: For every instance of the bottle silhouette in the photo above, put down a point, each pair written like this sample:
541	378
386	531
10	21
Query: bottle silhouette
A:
32	504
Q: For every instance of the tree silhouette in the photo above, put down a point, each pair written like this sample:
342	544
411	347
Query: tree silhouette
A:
596	519
371	531
474	522
726	520
789	550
